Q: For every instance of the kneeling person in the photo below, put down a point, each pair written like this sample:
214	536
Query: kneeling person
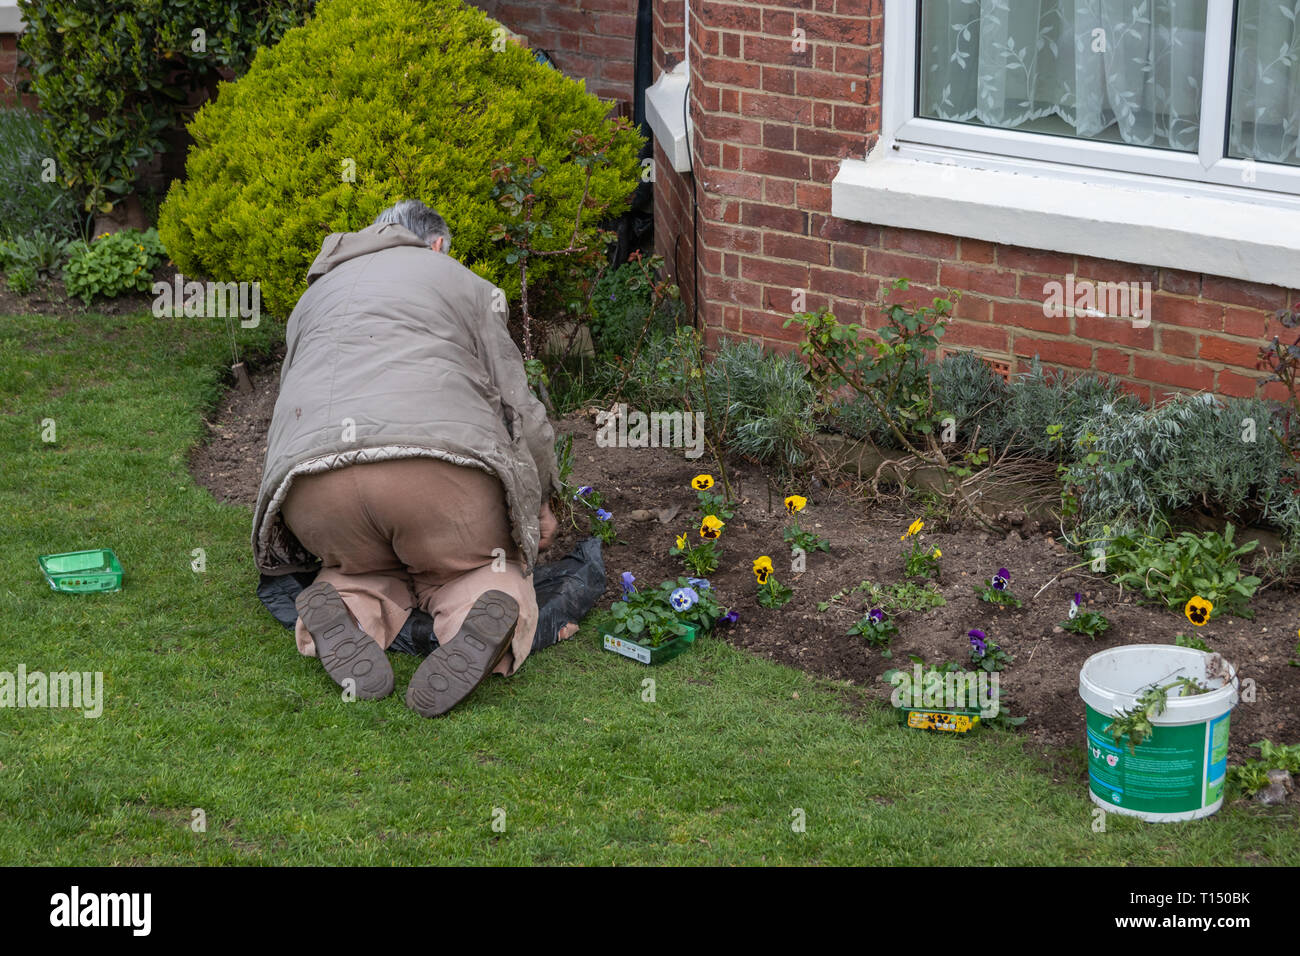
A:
409	457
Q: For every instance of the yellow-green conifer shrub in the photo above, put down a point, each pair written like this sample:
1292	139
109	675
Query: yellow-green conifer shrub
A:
368	104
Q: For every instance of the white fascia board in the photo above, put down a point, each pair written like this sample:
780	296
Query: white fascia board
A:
11	18
665	103
1175	226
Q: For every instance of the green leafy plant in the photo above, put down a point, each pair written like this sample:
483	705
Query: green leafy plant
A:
659	614
986	654
1172	572
1279	756
771	593
877	630
29	202
113	77
369	104
628	304
646	618
899	597
932	674
113	264
708	501
997	590
601	521
1088	623
40	252
1135	722
701	558
21	280
919	560
1252	776
1194	642
796	536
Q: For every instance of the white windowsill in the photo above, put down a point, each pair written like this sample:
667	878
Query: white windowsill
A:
1137	219
665	102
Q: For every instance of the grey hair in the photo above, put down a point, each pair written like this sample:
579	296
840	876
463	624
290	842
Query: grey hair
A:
415	216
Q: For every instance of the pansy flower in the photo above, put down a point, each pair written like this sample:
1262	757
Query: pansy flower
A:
711	527
731	617
876	616
681	542
1198	611
978	640
583	492
603	515
795	503
683	599
700	583
702	482
762	569
1002	580
627	584
913	528
1074	605
937	553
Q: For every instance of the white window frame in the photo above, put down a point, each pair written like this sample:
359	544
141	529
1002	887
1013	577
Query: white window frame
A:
1209	164
1192	212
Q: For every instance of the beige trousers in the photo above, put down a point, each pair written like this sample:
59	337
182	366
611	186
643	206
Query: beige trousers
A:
414	532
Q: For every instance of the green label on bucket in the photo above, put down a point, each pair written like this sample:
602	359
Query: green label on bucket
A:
1167	773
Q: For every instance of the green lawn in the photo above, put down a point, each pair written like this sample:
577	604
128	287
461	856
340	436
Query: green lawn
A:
208	705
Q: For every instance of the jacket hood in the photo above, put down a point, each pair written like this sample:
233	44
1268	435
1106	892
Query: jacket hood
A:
340	247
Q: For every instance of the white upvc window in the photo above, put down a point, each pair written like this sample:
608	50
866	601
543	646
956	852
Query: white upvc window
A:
1178	120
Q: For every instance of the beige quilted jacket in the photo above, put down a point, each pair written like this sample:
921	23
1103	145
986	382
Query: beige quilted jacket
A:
394	351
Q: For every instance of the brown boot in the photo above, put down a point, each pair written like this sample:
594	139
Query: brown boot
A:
453	670
348	653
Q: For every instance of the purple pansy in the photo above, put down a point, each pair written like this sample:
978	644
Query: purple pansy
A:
876	615
683	599
583	492
978	640
1001	580
701	583
628	588
603	515
1076	603
731	617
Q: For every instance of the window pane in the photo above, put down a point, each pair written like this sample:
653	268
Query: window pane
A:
1124	72
1265	110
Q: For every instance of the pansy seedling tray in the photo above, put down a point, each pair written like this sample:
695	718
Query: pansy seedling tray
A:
81	572
646	654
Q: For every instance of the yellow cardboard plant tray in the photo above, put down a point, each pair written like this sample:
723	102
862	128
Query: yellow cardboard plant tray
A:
82	572
941	721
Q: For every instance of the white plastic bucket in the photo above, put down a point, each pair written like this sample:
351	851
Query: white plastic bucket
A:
1178	772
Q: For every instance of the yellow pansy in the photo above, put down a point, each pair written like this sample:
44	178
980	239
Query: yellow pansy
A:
681	542
711	527
702	482
1198	611
938	553
914	528
795	503
762	569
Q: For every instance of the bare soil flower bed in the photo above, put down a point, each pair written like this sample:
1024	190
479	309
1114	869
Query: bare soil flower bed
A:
1042	683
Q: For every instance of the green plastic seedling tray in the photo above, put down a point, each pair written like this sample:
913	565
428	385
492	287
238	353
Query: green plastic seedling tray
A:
81	572
646	654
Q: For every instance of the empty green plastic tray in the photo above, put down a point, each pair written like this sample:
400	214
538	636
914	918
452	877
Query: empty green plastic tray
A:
79	572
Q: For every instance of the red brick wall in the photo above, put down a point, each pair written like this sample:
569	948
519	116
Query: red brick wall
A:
772	126
10	74
590	40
